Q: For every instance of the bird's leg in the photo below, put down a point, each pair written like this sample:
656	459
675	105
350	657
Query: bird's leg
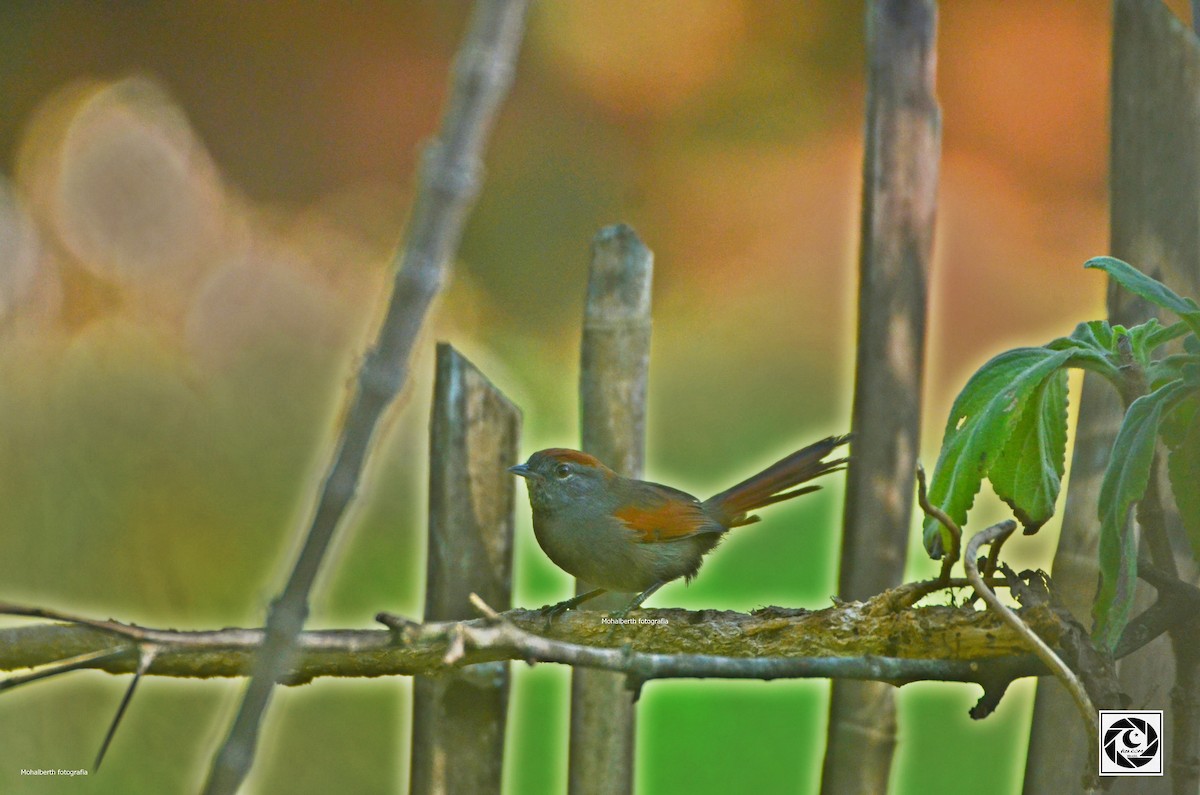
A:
637	600
554	611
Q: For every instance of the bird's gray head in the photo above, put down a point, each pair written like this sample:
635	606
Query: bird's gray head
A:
560	476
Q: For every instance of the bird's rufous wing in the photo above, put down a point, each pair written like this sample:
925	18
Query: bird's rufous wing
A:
659	514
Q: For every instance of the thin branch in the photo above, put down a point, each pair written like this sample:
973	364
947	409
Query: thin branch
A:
90	659
882	629
952	554
449	182
1046	654
928	632
931	643
144	659
918	591
500	635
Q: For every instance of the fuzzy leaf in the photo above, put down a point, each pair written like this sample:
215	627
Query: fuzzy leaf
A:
1028	473
1124	483
1150	289
1163	334
1170	368
1092	346
1094	334
980	424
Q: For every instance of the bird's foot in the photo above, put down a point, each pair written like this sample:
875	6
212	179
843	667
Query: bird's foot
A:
555	610
552	612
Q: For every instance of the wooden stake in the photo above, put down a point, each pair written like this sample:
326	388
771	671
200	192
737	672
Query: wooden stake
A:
459	720
614	370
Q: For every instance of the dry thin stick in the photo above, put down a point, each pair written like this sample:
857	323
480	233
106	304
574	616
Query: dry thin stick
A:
449	182
1046	654
918	591
145	658
952	553
89	659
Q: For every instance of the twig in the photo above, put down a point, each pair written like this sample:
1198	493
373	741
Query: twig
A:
483	607
952	553
90	659
918	591
993	558
450	178
114	627
145	658
1040	647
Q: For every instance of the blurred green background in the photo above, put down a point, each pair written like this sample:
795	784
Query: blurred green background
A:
198	202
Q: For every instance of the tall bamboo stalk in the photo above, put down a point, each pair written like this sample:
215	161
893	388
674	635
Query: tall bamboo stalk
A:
899	203
615	363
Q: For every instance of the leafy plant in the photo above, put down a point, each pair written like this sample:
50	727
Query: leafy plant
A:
1009	425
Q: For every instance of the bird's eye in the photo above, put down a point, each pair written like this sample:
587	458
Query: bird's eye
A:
562	471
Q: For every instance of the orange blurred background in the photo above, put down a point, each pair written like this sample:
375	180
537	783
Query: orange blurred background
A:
198	204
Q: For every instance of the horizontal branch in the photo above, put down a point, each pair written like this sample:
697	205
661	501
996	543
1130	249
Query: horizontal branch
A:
854	640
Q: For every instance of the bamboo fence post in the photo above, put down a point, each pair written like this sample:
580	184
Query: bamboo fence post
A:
614	368
899	203
459	720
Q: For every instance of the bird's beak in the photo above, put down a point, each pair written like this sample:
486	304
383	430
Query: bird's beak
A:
523	470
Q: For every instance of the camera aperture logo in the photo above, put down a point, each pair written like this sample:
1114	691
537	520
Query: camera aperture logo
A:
1131	742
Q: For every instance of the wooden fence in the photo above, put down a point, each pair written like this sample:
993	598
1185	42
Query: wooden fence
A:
460	715
458	741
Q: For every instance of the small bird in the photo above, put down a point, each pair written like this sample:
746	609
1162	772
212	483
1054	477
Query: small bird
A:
635	536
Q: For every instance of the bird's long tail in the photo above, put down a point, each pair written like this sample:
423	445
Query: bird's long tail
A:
771	485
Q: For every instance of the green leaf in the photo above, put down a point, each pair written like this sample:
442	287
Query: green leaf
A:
1170	368
1139	335
1124	483
1094	334
1150	289
1165	334
1181	432
980	424
1093	348
1028	472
